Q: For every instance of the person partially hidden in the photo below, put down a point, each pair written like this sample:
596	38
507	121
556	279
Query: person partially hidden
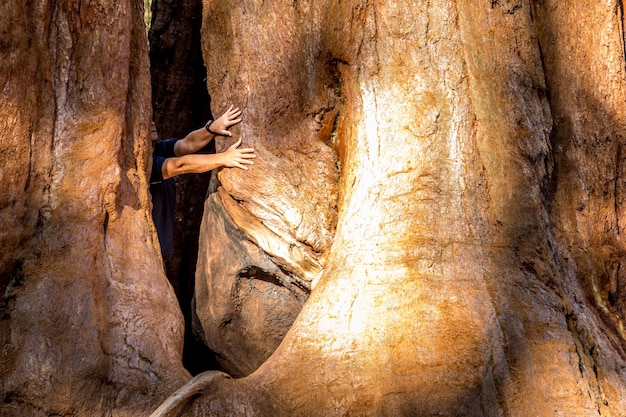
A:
172	157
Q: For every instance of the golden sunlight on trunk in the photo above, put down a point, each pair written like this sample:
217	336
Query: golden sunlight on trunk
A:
432	227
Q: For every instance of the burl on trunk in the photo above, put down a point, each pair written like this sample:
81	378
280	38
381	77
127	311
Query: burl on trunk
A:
474	268
438	189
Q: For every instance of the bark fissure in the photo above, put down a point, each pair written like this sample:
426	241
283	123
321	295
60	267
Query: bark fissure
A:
620	13
616	193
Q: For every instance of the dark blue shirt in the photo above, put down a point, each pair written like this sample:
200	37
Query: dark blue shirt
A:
163	196
163	149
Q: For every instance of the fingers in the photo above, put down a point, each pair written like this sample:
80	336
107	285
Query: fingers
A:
233	121
231	117
240	158
227	124
230	113
241	163
245	158
234	112
227	112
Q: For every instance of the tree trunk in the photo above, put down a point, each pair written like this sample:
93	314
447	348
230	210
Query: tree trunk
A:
475	266
437	197
90	325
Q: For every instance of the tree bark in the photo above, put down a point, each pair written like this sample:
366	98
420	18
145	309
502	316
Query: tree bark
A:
438	188
475	266
90	325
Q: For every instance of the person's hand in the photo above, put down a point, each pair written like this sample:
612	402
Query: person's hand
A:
228	119
239	158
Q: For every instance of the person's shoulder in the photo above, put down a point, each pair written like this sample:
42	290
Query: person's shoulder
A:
165	147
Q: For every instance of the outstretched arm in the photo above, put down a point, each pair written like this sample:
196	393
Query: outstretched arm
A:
199	138
233	157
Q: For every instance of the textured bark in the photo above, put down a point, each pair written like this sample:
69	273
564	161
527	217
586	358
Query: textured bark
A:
290	195
444	178
258	297
90	325
475	266
588	135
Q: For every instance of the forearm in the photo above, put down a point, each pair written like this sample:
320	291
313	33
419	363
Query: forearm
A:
191	164
193	142
233	157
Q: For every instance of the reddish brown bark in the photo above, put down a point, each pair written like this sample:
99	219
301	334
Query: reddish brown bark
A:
475	265
90	325
445	178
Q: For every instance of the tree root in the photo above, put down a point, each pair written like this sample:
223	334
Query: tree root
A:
173	404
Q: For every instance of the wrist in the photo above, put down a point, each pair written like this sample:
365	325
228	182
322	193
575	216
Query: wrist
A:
221	159
207	126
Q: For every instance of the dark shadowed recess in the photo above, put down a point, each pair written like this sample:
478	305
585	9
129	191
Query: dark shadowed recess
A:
181	104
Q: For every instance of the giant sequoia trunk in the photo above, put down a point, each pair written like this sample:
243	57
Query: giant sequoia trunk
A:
89	325
475	266
439	186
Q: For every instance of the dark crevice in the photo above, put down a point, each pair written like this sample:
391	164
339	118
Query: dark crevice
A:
506	7
550	180
616	180
105	223
254	272
181	103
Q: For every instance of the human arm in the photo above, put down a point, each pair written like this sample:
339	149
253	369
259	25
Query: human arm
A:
233	157
199	138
